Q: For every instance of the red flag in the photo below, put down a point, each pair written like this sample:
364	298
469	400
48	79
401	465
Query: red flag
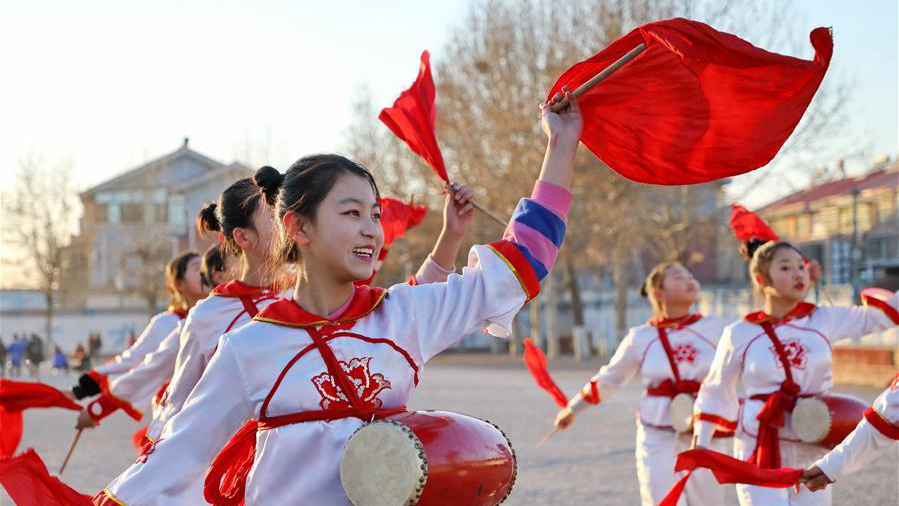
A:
536	362
413	116
728	470
747	225
10	431
19	395
28	483
16	396
696	105
398	216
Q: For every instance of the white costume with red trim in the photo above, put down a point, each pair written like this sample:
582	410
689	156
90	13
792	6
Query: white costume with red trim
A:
281	367
747	352
229	306
874	435
199	341
149	340
692	342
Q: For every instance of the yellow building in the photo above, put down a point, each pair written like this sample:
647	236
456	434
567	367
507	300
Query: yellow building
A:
850	225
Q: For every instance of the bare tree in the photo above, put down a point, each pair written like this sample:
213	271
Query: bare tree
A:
499	63
149	253
39	216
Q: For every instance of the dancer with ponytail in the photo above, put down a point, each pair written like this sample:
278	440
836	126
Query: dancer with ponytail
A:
781	354
672	352
184	284
284	377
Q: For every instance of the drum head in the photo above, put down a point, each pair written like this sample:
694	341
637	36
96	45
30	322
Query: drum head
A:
383	464
811	420
682	412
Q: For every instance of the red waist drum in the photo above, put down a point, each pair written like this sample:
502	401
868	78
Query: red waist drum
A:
428	458
826	420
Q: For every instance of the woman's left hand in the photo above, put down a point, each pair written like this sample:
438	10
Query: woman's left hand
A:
85	421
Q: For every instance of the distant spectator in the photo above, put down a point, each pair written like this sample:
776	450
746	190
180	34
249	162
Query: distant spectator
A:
16	355
34	354
94	343
60	362
82	359
2	358
131	338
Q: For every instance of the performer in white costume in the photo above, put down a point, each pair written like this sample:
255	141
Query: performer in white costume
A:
781	354
184	282
310	370
672	353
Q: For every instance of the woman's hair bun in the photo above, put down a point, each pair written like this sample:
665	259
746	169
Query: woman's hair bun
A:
269	180
207	220
748	248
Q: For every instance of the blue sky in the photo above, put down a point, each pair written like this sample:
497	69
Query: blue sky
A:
110	84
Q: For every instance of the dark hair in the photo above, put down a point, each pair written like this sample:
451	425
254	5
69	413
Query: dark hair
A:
301	190
213	261
174	272
763	255
234	209
748	248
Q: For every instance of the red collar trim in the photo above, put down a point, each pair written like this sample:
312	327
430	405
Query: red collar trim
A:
236	288
674	323
180	313
803	309
288	313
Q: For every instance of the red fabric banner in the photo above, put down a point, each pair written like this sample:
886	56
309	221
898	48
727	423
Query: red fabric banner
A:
28	483
412	118
696	105
16	396
398	216
728	470
747	225
19	395
536	362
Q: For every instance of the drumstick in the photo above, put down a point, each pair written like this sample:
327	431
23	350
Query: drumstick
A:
71	449
548	435
824	291
488	212
598	78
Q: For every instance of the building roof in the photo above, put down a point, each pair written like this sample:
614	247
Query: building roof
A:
887	177
183	152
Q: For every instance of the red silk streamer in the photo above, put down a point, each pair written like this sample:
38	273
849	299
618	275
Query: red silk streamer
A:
728	470
19	395
413	116
696	105
536	362
10	432
747	225
28	483
398	216
16	396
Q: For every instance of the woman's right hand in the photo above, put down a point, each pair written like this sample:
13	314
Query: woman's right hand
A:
568	123
564	418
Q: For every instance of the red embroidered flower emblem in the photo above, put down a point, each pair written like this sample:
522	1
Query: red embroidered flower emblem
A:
367	385
685	353
796	354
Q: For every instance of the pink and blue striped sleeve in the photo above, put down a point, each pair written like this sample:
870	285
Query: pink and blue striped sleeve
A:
538	226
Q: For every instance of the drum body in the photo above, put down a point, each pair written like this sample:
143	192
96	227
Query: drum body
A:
428	458
826	420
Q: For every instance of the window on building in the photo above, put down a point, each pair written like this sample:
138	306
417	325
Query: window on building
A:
132	213
840	261
802	226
